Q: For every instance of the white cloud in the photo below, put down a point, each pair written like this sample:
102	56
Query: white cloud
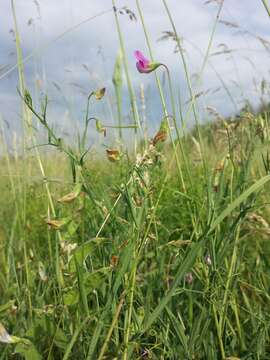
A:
61	61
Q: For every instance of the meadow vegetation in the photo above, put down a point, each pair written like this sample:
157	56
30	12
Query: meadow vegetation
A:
159	251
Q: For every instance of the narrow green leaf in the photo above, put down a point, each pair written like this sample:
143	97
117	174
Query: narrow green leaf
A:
28	351
90	281
255	187
81	252
184	267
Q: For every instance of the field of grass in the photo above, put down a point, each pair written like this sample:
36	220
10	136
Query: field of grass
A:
159	250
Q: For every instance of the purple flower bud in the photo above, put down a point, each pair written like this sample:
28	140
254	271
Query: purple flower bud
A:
144	353
144	65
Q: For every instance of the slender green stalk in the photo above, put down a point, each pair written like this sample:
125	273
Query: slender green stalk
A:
229	280
117	82
114	321
134	108
26	124
130	309
193	99
27	121
267	6
74	338
219	334
162	97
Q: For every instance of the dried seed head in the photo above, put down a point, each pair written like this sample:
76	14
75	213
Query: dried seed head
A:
13	310
67	248
68	198
99	93
114	260
113	155
161	136
55	224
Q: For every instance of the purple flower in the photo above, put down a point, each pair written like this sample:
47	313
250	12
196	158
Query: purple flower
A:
144	65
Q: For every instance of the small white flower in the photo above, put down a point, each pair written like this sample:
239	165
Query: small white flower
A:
208	260
4	335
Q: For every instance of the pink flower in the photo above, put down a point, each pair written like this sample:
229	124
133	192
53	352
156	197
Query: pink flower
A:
144	65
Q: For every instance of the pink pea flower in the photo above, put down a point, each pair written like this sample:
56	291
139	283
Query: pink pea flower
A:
144	65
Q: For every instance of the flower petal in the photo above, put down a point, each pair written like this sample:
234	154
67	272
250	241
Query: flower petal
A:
4	335
140	67
140	57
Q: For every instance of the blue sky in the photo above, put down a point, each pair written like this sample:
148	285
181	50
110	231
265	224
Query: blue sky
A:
83	58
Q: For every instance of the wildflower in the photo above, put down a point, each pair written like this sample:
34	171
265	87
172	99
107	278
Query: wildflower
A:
189	278
6	338
208	260
4	335
143	64
144	353
42	272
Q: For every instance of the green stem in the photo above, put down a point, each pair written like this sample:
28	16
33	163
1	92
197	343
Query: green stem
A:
164	103
229	280
162	98
86	121
131	299
193	99
130	88
115	318
267	6
217	323
176	127
74	338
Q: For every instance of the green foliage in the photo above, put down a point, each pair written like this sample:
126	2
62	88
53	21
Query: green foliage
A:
152	234
162	254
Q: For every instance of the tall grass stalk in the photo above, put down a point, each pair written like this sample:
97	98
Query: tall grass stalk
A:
28	133
164	106
180	50
134	108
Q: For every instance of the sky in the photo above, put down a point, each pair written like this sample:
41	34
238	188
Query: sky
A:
70	48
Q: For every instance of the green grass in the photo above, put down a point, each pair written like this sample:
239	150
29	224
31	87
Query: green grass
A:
157	252
124	292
